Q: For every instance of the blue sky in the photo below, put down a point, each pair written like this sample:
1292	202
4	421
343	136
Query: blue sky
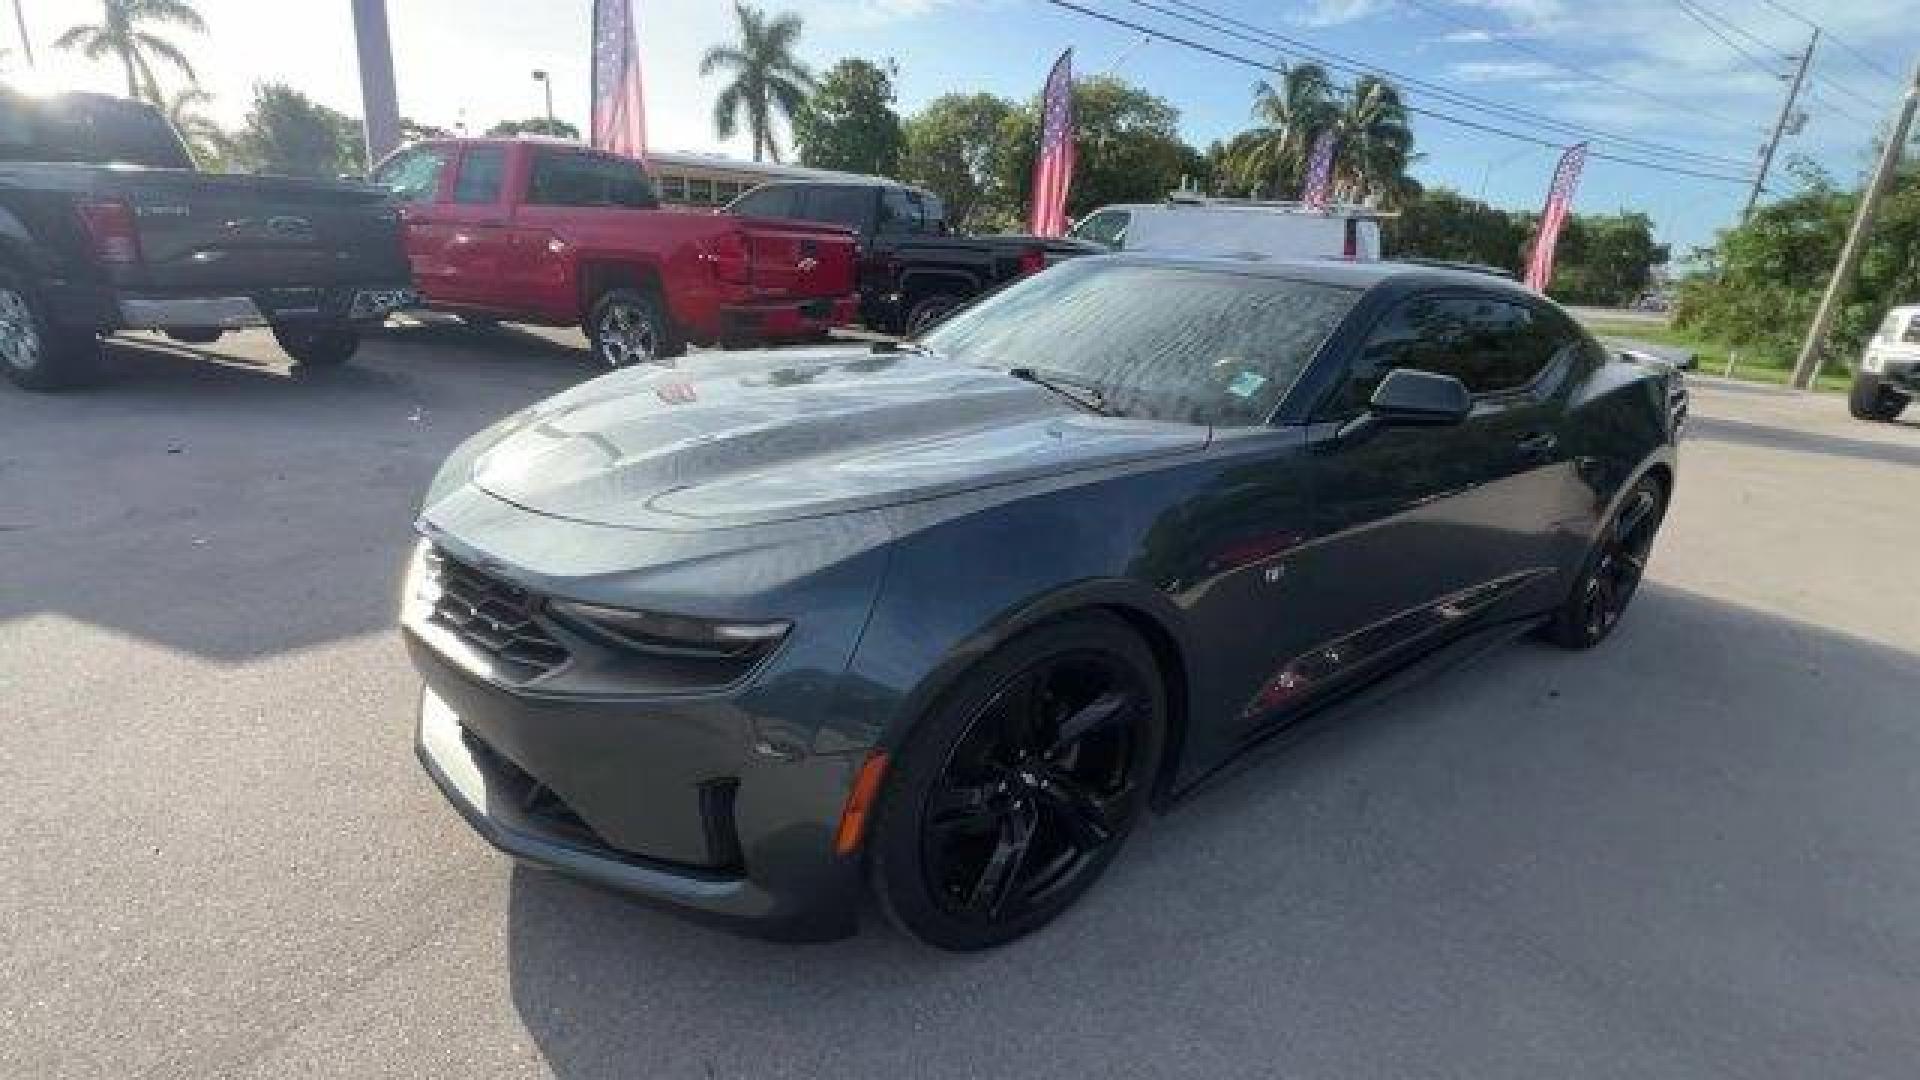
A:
469	59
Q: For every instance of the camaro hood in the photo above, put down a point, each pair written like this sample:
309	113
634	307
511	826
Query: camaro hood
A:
750	438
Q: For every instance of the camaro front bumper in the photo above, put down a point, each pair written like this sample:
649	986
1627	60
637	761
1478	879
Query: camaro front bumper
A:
660	801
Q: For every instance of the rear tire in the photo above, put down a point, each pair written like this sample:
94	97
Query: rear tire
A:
318	345
1872	399
974	782
928	312
628	327
1611	575
35	353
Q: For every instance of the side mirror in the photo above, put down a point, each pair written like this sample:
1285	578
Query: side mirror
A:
1410	398
1682	359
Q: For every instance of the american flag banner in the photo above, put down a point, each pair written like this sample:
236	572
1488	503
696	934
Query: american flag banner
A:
1317	191
1559	204
1053	170
619	108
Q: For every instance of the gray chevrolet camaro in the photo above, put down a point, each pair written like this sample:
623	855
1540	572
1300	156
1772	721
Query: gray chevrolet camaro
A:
943	619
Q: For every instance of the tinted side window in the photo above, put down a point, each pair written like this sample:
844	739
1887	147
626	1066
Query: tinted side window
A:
836	205
1107	227
901	211
1488	343
564	178
769	202
481	171
413	175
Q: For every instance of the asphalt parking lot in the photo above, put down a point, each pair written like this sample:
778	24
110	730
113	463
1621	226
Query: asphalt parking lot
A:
1692	853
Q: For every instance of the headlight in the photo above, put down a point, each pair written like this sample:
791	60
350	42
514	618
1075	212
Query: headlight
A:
1873	361
420	585
673	635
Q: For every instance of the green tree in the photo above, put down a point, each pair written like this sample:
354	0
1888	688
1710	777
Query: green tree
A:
1269	160
1604	258
535	125
954	149
1769	272
287	132
1127	143
1375	144
849	122
1443	224
767	78
123	31
185	109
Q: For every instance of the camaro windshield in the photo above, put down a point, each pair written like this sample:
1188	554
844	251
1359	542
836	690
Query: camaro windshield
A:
1183	344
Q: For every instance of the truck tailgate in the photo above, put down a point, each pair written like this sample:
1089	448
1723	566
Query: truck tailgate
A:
799	259
207	230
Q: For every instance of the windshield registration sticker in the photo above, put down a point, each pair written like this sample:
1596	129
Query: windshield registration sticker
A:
1246	384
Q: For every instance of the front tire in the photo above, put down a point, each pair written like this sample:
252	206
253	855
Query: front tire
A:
1016	792
35	353
1872	399
1612	573
318	345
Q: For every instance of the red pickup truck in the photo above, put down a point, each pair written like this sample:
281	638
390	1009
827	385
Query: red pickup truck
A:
555	233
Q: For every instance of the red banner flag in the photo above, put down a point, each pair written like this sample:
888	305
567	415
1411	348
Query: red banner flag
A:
1317	192
1053	170
1559	204
619	109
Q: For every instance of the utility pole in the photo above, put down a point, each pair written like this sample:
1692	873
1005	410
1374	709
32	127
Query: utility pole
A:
540	76
376	79
1780	126
1807	370
26	43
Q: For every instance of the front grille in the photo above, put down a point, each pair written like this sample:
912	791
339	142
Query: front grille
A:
536	800
495	617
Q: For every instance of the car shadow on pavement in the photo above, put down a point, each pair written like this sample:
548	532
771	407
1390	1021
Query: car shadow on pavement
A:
212	501
1772	437
1688	852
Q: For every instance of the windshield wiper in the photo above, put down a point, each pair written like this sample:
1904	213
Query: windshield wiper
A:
1086	395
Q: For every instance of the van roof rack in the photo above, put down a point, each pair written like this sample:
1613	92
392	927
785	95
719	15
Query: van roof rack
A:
1343	210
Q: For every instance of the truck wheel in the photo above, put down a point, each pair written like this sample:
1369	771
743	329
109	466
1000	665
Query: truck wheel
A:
927	312
627	327
1874	400
318	344
36	354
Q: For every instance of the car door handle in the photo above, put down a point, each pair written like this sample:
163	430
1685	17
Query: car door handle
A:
1537	444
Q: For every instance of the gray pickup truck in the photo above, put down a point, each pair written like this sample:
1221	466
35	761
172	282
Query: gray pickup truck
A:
106	226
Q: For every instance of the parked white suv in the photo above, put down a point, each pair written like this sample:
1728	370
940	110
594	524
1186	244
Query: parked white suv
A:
1889	373
1235	227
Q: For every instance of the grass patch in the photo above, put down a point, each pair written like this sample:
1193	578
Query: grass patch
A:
1748	365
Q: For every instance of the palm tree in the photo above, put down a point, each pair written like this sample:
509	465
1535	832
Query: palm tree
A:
122	32
1270	158
1376	143
766	77
184	110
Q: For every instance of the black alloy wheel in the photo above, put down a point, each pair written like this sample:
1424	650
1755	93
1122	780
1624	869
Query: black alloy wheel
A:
1613	571
1042	769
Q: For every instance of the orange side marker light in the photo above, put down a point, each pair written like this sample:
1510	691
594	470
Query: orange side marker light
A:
866	788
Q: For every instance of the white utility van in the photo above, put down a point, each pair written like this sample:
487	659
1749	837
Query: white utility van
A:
1235	227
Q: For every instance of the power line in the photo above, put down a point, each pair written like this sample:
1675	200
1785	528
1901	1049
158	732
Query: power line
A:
1525	49
1759	42
1834	107
1699	16
1433	114
1865	60
1350	65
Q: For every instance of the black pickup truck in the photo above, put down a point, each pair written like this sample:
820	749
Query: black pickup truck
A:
914	269
105	226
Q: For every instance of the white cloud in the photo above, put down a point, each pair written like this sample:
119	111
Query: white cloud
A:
1336	12
1491	71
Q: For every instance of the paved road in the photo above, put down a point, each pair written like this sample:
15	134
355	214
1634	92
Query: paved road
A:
1692	853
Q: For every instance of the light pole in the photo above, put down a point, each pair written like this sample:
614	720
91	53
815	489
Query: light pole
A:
26	43
540	76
